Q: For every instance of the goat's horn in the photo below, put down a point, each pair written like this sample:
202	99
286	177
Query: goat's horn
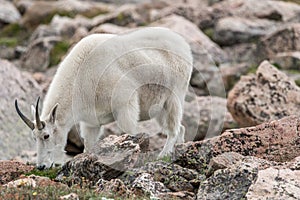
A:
39	123
28	122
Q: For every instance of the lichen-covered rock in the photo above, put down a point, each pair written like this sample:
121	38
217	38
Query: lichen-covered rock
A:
15	136
229	183
285	39
10	170
8	13
145	185
272	183
174	177
108	159
233	30
274	141
206	117
113	187
267	95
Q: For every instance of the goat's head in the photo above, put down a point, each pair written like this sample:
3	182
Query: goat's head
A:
45	134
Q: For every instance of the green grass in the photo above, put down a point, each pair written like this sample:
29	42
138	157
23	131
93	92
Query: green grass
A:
8	42
50	173
13	34
58	51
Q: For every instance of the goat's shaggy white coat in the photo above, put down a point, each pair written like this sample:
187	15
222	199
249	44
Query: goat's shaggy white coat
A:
127	78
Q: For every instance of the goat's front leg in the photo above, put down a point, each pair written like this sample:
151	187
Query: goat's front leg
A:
90	135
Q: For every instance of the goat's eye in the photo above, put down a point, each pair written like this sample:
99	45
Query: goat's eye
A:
46	137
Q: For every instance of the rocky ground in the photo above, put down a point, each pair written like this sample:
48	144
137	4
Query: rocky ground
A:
241	112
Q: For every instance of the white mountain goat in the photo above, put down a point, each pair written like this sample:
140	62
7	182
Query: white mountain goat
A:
125	78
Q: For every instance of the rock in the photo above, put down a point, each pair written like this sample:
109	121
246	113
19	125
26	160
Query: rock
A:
184	195
108	159
206	117
274	183
15	136
274	141
71	196
43	11
125	15
113	187
8	13
206	53
10	170
110	28
242	53
287	60
268	9
144	185
174	177
229	183
37	55
285	39
66	26
267	95
234	30
231	73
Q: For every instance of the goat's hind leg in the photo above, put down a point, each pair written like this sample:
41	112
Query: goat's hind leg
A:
170	120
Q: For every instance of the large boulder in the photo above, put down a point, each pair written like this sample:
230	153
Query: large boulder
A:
108	159
274	141
15	136
233	30
267	95
247	177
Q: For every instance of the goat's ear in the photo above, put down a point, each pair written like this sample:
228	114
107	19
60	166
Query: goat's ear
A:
53	114
32	111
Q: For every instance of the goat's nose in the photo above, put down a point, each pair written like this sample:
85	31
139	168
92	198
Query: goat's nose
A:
41	167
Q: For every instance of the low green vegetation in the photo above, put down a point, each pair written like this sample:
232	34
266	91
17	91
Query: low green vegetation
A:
13	35
50	173
209	32
58	51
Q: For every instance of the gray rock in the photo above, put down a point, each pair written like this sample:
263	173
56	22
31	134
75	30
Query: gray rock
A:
206	54
234	30
229	183
274	183
37	55
124	15
205	117
15	136
243	52
43	11
8	12
108	159
268	9
267	95
285	39
287	60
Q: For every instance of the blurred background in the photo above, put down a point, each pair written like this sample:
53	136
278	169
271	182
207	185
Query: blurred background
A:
229	39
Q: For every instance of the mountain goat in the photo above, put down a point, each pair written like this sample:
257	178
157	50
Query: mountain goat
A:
125	78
